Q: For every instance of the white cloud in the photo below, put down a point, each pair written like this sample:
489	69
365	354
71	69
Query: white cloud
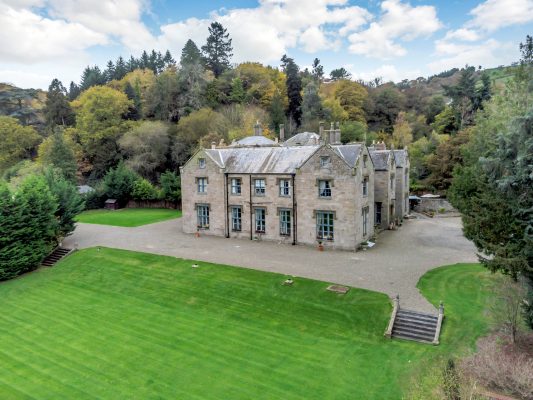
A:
387	72
464	34
28	37
495	14
399	21
489	53
266	32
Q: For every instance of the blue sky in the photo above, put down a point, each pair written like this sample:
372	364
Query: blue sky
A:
392	39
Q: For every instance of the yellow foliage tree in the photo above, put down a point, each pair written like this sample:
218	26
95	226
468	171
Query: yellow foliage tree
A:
17	141
402	135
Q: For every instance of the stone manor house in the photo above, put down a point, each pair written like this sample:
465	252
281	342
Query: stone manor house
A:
310	189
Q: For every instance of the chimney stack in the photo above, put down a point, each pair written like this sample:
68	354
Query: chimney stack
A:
321	133
257	129
337	135
281	132
213	145
381	146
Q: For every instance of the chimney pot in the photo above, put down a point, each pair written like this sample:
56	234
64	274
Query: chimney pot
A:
213	145
257	129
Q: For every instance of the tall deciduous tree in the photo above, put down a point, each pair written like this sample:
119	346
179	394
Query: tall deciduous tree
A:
17	142
218	50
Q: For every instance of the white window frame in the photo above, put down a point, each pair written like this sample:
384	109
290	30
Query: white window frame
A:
201	163
325	161
260	220
236	218
325	226
201	184
259	190
285	222
284	187
202	216
324	188
236	186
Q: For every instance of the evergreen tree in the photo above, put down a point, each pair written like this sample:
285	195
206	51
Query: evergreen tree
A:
69	201
190	54
171	186
109	73
237	91
168	60
59	154
135	109
73	91
218	50
118	183
152	61
132	64
121	69
144	61
92	76
57	110
464	97
339	73
318	71
294	90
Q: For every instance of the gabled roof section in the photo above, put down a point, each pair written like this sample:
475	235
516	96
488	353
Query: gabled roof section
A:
401	157
381	159
262	160
349	152
303	139
254	141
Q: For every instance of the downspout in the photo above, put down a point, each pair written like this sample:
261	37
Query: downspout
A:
294	211
251	210
226	200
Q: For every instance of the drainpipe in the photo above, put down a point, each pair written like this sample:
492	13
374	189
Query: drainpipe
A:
294	211
251	210
226	195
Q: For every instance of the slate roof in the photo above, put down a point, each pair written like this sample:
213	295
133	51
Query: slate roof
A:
303	139
381	159
401	157
254	141
349	152
258	160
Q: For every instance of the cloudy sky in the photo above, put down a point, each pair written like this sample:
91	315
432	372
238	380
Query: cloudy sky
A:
395	39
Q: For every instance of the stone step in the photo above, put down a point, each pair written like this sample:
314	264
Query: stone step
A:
418	328
418	315
410	336
397	332
429	324
55	256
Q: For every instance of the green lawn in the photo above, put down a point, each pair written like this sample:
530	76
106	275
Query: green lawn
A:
127	216
113	324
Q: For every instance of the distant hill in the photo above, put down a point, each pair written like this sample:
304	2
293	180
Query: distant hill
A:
24	104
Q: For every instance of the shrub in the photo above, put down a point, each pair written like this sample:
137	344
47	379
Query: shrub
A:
143	190
118	183
170	186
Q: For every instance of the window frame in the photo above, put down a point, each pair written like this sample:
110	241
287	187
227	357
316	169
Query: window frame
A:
261	221
257	189
201	163
285	221
364	214
378	212
203	185
236	220
365	160
325	161
233	186
365	186
202	218
322	223
326	189
283	187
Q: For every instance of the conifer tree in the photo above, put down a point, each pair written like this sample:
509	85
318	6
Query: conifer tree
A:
57	110
190	54
294	90
218	50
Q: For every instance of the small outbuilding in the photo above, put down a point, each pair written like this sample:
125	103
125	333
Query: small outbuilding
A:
111	204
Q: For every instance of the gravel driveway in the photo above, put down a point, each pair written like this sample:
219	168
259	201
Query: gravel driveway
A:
393	266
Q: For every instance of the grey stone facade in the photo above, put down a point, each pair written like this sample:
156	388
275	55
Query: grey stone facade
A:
384	187
402	183
304	169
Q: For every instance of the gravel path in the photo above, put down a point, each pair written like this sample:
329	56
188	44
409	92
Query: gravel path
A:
393	266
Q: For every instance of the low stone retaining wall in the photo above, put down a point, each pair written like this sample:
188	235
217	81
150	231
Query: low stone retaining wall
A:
153	204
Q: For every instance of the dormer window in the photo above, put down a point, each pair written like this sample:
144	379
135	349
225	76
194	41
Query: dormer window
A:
325	161
365	160
201	163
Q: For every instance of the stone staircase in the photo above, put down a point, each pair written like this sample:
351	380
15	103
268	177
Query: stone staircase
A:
414	325
55	256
